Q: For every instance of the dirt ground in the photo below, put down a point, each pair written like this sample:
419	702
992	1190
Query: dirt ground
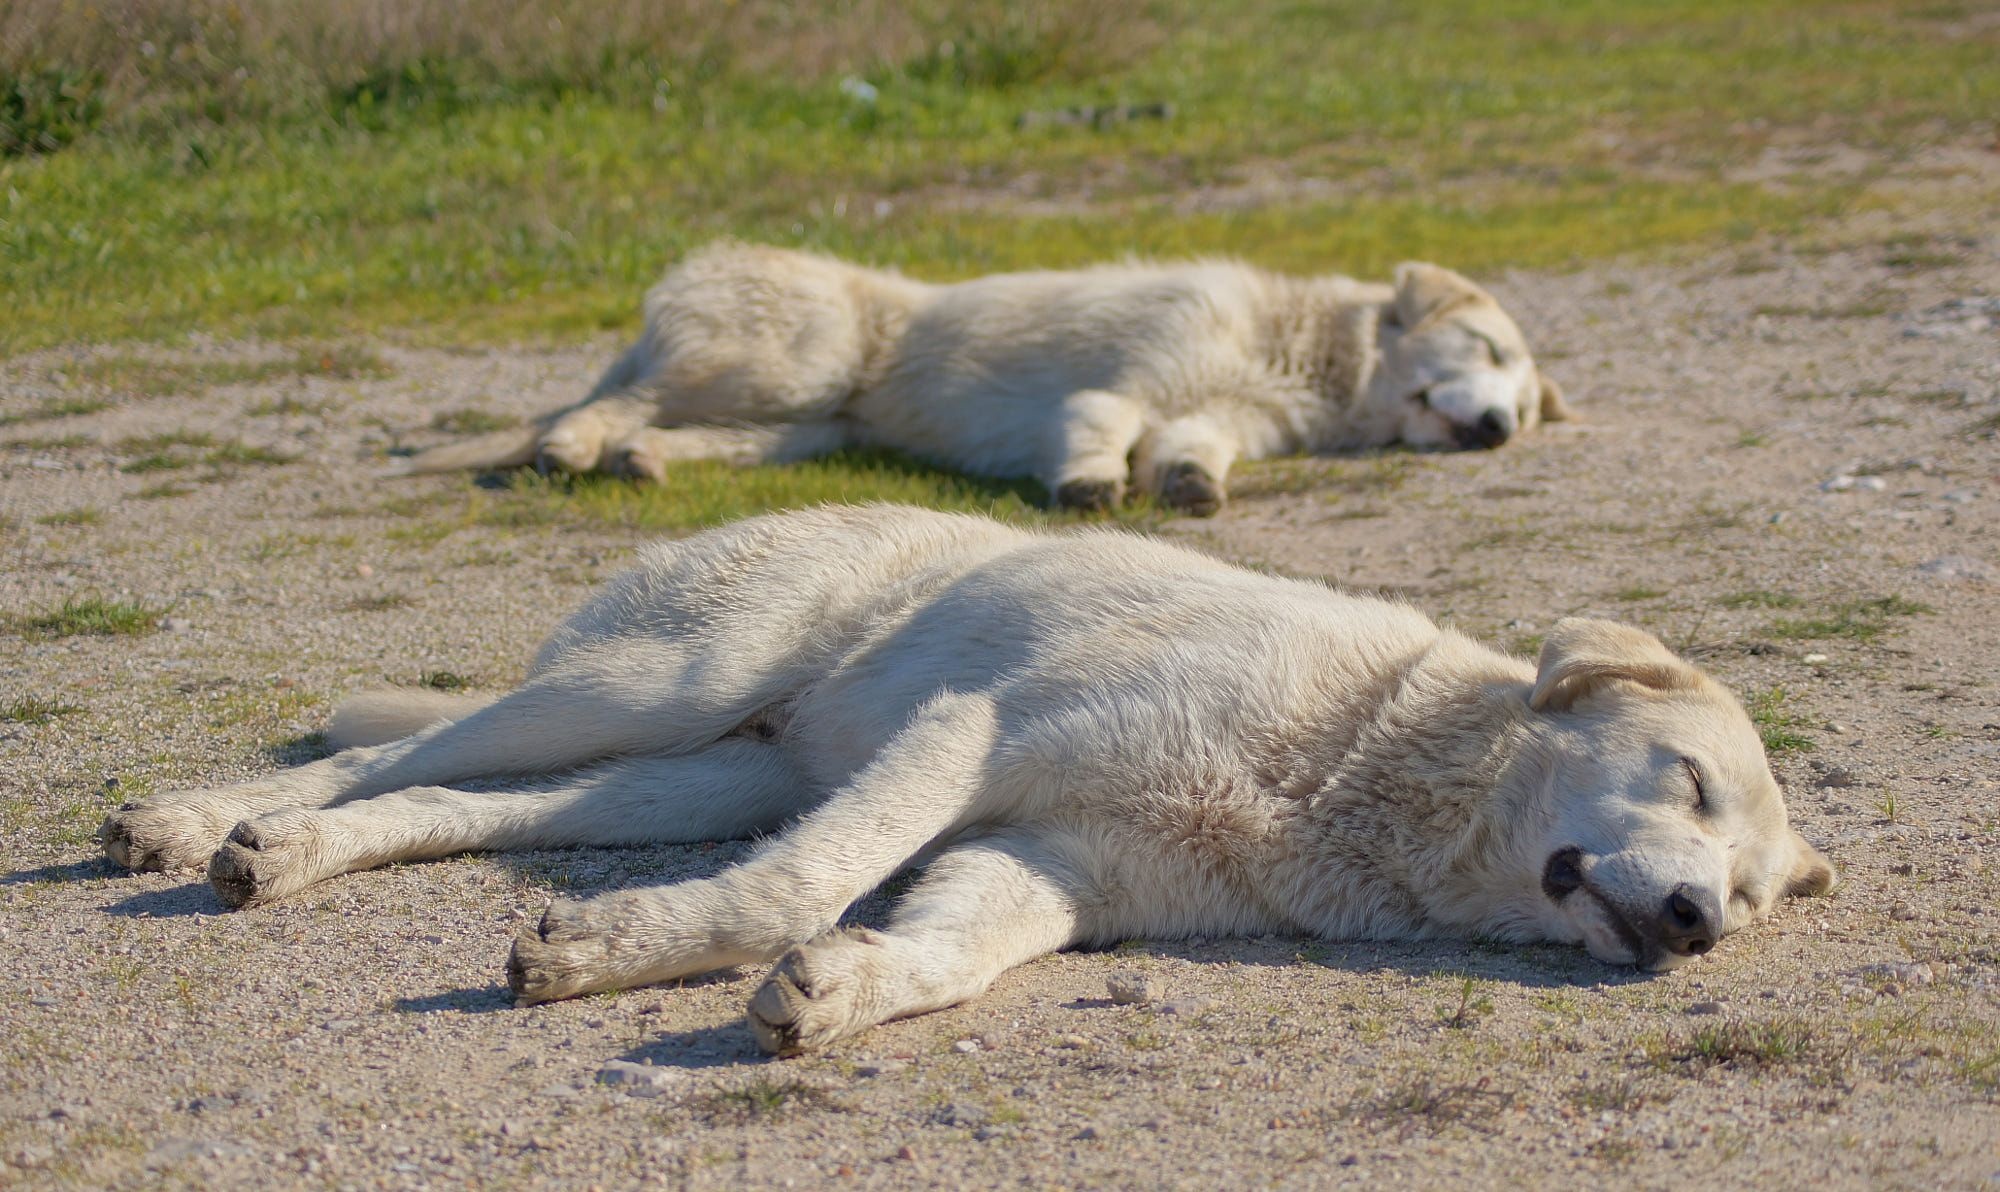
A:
1788	469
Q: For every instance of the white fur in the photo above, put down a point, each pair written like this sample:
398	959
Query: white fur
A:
1160	376
1083	737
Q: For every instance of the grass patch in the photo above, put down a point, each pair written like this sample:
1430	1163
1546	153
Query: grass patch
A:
91	615
187	449
766	1099
156	492
1859	620
706	493
1636	593
1777	724
1758	598
377	604
443	681
303	169
1736	1043
86	516
67	407
1427	1106
33	709
145	376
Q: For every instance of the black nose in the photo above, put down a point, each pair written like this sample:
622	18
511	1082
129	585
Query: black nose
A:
1490	431
1563	875
1686	927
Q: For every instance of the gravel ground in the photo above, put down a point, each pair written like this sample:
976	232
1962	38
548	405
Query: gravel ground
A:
1776	444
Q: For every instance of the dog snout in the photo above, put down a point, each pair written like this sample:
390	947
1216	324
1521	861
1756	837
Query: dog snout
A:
1490	430
1687	926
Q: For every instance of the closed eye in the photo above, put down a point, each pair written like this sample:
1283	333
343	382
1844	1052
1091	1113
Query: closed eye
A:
1700	790
1493	351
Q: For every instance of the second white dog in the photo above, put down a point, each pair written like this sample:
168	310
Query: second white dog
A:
1158	376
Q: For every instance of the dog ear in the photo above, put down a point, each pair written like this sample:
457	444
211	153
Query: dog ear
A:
1554	408
1425	291
1582	654
1812	874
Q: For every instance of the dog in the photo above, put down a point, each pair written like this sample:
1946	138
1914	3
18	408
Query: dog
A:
1157	377
1080	737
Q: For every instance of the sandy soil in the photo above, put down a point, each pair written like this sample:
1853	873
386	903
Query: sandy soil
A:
1775	443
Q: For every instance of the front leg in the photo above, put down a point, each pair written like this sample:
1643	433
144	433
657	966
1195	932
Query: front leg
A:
982	908
1092	442
1186	461
929	781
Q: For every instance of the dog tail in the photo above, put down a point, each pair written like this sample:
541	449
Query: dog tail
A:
379	717
510	448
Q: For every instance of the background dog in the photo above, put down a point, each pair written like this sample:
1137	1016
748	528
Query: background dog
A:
1159	376
1084	737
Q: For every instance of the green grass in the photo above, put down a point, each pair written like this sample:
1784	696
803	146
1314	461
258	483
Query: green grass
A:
91	615
495	200
1860	620
1759	598
1777	724
1737	1043
67	407
33	709
706	493
85	516
142	376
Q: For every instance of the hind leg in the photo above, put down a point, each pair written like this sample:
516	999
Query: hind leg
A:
730	790
981	908
928	781
646	452
631	698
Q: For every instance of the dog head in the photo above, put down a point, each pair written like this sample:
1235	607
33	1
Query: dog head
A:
1455	367
1661	828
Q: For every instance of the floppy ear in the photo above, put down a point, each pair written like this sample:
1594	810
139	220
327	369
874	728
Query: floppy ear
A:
1812	874
1582	654
1554	408
1425	291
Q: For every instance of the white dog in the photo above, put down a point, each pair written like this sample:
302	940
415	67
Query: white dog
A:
1157	375
1082	737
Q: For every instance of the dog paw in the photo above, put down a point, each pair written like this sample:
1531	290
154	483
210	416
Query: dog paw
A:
263	859
637	462
819	993
159	834
1090	496
564	449
566	954
1186	487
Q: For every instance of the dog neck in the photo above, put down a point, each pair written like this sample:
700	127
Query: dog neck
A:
1442	749
1321	332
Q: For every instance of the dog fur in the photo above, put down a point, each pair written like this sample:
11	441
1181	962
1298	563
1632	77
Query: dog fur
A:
1090	381
1081	737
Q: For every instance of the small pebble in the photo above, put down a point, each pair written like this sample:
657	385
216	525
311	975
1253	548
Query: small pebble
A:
1699	1008
1132	989
965	1046
1902	912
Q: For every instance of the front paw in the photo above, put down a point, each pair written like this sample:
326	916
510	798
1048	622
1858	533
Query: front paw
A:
159	834
1188	488
635	461
1090	496
819	993
565	954
567	449
263	859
